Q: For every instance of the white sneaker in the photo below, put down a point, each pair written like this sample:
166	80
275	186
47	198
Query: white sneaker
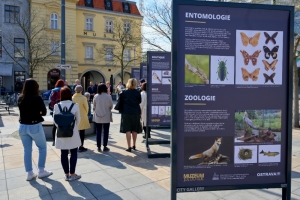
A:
30	177
44	174
73	178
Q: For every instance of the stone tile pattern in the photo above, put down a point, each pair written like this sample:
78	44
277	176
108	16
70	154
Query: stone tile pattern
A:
114	175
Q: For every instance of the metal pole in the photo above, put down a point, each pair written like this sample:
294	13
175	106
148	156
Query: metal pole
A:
134	57
63	39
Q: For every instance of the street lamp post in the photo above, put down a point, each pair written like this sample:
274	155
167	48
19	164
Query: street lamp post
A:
63	38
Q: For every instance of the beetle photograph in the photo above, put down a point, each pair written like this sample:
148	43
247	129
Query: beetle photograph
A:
222	70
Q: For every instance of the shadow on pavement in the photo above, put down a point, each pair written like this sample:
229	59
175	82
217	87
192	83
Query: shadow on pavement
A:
5	145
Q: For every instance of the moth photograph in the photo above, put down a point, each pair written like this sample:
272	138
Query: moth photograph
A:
259	57
208	150
269	153
156	76
222	70
258	126
196	69
245	154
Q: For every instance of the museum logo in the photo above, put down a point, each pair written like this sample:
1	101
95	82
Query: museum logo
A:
216	177
269	174
193	177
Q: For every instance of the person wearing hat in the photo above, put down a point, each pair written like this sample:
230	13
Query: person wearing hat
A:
83	108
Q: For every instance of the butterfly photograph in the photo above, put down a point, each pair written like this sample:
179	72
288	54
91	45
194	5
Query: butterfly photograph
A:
250	40
252	57
247	75
269	78
271	65
271	53
270	38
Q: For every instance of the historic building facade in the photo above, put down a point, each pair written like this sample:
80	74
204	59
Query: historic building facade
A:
96	26
48	74
12	75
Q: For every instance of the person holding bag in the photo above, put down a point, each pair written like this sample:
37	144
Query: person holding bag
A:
68	143
102	115
32	108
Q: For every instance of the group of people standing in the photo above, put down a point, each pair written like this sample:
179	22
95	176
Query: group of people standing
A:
32	108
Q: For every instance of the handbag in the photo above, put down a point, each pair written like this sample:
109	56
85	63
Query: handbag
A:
120	104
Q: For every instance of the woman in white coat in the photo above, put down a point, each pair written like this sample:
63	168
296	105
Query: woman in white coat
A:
68	143
102	105
143	106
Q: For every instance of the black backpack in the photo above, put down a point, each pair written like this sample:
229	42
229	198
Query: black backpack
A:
65	121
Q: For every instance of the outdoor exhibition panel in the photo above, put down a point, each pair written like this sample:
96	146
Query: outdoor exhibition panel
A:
231	99
143	69
135	73
159	89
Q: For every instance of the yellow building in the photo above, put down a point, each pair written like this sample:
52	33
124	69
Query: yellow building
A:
50	15
98	22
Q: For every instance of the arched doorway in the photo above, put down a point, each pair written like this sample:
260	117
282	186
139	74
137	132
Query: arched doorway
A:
117	78
91	76
53	76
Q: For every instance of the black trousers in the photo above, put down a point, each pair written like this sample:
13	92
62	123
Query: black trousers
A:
53	134
99	133
82	134
65	160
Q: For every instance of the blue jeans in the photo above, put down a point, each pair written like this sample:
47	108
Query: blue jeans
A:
29	133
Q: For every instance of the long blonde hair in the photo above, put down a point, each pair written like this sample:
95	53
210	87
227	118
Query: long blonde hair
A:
131	84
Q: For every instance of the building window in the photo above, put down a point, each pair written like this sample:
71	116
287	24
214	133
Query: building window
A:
89	24
89	52
19	47
12	14
108	5
127	27
54	48
0	47
54	21
109	26
19	80
126	55
109	54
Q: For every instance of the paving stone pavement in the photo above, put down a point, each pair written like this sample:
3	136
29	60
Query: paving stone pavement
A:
110	176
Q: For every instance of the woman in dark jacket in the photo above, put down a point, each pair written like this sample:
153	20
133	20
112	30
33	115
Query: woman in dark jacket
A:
131	113
32	108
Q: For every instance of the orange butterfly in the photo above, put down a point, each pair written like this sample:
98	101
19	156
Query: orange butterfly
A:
253	75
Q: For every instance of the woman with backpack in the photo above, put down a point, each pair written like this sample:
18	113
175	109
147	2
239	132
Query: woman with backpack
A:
54	99
68	143
32	108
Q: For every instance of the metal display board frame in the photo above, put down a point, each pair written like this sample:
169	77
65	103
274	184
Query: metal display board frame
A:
142	76
154	142
132	73
286	185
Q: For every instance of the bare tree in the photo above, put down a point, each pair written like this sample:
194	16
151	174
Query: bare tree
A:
31	48
124	38
158	25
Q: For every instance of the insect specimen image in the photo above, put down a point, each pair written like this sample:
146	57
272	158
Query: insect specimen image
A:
271	65
253	75
196	69
269	78
222	70
270	38
252	57
250	40
272	53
